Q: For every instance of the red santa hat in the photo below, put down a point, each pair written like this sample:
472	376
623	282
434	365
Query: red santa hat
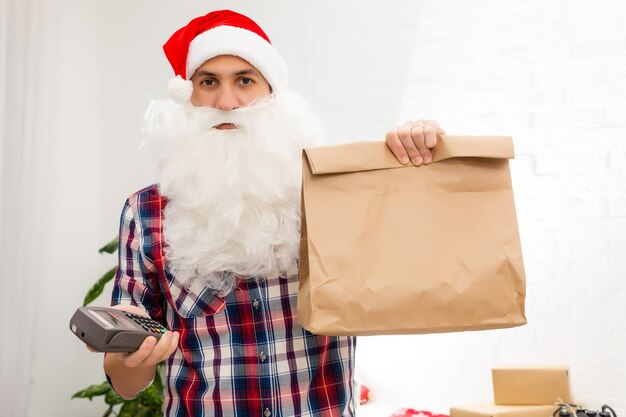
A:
221	32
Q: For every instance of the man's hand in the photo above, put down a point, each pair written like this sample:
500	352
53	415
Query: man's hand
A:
131	373
413	141
150	352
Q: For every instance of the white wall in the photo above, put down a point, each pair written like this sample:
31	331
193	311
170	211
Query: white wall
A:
552	74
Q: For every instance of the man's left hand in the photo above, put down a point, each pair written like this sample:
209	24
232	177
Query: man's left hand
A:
413	141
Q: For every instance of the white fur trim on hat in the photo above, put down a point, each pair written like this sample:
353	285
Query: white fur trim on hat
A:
230	40
180	90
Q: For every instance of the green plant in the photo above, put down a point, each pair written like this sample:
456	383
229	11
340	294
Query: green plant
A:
150	402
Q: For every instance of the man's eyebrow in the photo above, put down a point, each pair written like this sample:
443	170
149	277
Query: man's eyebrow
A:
247	71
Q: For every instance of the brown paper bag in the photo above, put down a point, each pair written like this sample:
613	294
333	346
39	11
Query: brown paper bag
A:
393	249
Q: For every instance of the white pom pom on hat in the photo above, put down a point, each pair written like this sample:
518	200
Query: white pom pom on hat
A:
180	89
221	32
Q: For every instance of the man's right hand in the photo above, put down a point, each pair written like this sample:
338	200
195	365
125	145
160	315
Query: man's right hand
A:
150	352
131	373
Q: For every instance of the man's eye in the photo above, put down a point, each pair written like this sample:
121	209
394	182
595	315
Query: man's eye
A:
207	82
246	81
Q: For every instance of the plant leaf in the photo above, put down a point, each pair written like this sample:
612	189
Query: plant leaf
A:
93	391
110	247
112	398
129	409
108	412
98	287
147	412
152	397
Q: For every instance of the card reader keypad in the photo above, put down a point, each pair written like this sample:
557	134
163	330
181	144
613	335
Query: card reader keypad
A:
146	323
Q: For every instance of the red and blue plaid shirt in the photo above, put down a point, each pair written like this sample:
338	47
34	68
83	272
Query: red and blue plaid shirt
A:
242	355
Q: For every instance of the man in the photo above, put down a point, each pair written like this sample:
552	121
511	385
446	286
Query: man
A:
211	251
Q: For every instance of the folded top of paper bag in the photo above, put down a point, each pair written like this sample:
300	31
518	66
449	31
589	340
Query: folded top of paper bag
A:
368	156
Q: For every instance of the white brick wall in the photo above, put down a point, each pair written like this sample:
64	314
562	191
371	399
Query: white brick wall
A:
553	75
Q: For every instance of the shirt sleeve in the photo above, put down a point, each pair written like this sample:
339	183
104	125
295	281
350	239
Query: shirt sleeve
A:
136	280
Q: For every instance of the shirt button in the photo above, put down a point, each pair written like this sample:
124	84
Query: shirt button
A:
267	412
263	356
256	304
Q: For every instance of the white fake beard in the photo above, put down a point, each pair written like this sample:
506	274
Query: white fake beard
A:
233	208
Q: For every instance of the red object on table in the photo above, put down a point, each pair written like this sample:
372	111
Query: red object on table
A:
365	395
410	412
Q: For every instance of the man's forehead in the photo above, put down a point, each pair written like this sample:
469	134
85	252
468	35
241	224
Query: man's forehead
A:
226	65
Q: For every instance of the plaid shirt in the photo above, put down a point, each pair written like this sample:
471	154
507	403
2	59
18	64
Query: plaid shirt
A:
242	355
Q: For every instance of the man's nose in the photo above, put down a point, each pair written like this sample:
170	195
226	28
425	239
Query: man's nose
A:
227	99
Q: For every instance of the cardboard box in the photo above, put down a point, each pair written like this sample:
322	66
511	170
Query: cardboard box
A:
492	410
530	385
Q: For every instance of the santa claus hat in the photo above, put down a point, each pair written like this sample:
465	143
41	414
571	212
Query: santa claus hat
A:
221	32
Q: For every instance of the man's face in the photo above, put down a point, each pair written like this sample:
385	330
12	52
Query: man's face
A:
233	195
227	82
